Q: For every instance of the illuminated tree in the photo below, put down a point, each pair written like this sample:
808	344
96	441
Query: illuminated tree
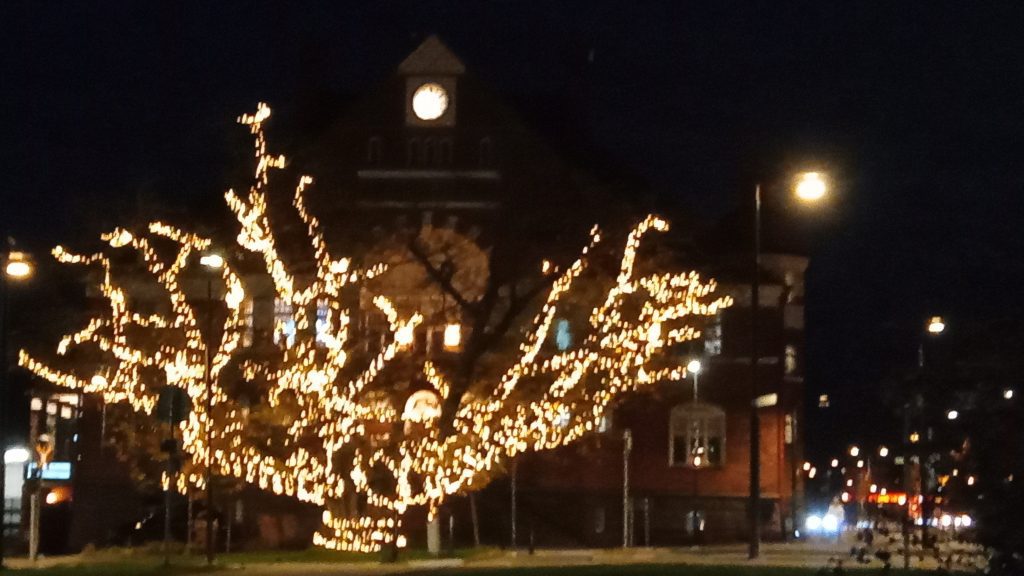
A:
334	432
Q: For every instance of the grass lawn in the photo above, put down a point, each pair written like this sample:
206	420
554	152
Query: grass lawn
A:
652	570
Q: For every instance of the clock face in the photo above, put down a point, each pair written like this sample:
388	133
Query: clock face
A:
429	101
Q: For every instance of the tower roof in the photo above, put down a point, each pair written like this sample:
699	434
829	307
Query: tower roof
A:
431	57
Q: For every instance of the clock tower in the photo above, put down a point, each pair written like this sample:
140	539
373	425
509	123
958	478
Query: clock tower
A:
431	75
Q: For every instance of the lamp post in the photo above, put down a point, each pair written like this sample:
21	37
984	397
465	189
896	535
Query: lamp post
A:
696	460
213	263
16	266
810	187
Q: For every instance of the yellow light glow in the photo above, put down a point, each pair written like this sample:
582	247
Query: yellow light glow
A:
936	325
810	187
214	261
693	366
854	451
339	410
915	437
883	452
18	265
452	336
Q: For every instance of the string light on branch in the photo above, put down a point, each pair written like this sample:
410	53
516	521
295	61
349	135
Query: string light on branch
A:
348	429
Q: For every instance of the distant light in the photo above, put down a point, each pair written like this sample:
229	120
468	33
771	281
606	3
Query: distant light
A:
835	462
693	367
1008	394
845	497
18	268
214	261
697	461
947	520
830	523
404	336
98	380
813	523
936	325
452	336
813	472
860	463
883	452
854	451
807	466
902	500
52	498
952	415
970	480
873	488
966	521
915	437
849	482
810	186
16	455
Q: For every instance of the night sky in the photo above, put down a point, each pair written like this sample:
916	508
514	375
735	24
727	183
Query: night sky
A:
915	107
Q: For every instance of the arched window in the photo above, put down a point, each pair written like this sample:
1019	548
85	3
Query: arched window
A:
412	151
429	147
444	152
373	151
696	435
486	152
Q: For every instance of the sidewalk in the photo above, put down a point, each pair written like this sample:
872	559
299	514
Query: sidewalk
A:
805	554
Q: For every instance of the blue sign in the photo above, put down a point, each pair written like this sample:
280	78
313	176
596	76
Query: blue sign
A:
53	471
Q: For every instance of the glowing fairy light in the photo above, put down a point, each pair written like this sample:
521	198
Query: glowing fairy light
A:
339	435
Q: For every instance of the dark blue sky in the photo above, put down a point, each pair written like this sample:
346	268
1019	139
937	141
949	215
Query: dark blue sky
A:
915	106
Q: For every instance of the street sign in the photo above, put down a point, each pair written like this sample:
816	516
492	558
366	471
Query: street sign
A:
173	405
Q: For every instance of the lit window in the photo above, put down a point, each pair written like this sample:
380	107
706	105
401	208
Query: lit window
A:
322	326
713	337
790	365
284	323
696	435
563	334
247	323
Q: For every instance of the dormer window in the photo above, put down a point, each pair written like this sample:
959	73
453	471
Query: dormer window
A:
373	151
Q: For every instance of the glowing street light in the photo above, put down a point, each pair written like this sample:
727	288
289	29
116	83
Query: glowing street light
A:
952	415
936	325
854	451
18	265
213	261
883	452
810	186
694	366
1008	394
835	462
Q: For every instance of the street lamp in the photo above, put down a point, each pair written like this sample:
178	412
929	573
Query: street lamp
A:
694	367
16	266
213	263
809	187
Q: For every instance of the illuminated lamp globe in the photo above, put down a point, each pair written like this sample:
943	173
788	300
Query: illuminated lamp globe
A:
18	265
213	261
810	187
936	325
693	367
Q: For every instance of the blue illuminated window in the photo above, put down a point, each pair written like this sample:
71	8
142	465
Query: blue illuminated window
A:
563	334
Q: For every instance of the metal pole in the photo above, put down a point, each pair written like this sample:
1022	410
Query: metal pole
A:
627	447
755	421
3	392
515	468
209	424
906	485
167	490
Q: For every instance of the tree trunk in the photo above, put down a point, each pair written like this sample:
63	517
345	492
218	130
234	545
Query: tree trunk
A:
474	519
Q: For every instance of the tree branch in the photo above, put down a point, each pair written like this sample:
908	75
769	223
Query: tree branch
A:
443	280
